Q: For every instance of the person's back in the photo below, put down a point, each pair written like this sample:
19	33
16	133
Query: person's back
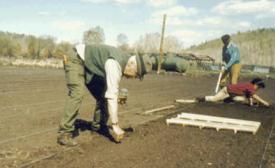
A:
96	56
231	52
241	89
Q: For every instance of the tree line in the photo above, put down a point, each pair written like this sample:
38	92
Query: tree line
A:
29	46
43	47
256	47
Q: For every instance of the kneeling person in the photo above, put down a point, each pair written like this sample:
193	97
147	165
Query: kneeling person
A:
237	91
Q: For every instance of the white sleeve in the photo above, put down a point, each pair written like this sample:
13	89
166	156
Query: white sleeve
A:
113	77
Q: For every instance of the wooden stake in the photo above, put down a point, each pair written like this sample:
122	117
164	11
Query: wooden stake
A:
159	109
219	80
161	44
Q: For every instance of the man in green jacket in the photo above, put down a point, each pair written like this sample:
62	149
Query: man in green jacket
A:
231	58
100	67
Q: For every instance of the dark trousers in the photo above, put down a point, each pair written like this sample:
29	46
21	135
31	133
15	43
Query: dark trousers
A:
97	88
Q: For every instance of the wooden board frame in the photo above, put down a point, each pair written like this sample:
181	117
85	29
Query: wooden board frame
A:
206	121
218	119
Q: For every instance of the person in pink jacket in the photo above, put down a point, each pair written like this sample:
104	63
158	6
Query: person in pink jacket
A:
246	90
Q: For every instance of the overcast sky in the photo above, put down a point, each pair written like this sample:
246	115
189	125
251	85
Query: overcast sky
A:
192	21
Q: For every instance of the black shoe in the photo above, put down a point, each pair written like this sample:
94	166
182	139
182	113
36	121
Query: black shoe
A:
200	99
95	126
228	100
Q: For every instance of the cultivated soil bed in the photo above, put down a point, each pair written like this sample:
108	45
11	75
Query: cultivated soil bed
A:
32	100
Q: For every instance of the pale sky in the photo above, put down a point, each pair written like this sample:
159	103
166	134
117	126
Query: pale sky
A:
192	21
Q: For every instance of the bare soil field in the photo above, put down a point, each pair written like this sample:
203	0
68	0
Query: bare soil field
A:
32	101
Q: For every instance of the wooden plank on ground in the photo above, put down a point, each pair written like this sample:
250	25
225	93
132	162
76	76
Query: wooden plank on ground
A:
185	101
159	109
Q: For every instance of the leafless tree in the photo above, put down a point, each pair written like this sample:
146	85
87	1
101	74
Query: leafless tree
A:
94	35
122	41
150	43
172	44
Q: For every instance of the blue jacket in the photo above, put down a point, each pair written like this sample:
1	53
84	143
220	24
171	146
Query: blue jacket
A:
230	55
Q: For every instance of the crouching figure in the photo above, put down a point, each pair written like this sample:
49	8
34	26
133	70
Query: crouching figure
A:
239	92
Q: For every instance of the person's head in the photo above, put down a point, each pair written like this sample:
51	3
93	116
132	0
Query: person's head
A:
258	83
137	66
226	39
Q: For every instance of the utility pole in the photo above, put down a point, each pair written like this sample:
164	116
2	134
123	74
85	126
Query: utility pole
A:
161	44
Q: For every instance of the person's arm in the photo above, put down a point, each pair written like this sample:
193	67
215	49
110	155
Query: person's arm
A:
234	56
250	100
113	77
223	63
256	97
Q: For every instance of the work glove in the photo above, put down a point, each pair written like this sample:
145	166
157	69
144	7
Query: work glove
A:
122	96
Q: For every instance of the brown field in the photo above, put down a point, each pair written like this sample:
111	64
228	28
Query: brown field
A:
32	101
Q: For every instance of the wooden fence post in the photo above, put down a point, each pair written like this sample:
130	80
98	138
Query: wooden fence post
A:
161	44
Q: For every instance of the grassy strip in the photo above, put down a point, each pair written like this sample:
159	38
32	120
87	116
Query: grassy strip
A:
52	63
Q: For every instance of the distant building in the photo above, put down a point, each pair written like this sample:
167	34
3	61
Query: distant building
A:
261	69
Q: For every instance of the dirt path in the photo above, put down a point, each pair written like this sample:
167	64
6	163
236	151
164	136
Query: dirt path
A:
32	101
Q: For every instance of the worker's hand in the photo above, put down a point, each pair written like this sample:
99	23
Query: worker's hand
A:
267	104
222	64
122	101
122	96
222	67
